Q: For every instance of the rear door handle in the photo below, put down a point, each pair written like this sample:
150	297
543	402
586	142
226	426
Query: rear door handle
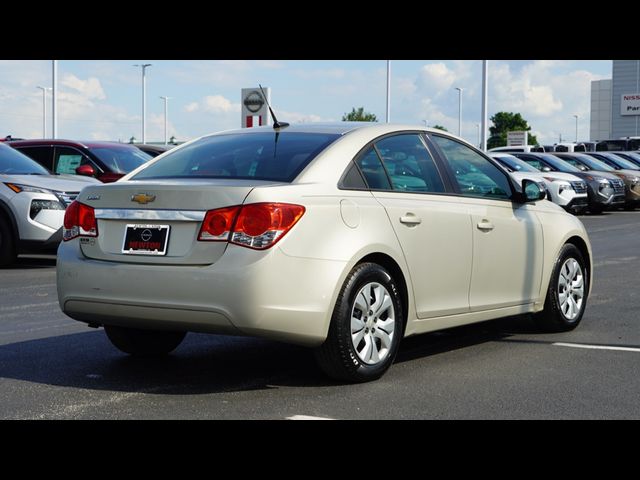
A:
485	224
410	219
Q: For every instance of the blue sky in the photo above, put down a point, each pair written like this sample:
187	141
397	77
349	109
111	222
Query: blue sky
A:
101	99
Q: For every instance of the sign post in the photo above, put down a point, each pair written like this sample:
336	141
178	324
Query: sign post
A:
254	111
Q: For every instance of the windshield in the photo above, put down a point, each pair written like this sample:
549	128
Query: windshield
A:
260	156
594	163
559	164
623	162
515	164
607	145
121	159
13	162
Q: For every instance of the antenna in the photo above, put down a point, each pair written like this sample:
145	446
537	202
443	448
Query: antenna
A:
276	123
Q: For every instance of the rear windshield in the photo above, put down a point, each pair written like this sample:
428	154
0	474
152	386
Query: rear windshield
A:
261	156
121	159
13	162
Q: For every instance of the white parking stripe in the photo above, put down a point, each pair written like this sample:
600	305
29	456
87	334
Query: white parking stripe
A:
307	417
596	347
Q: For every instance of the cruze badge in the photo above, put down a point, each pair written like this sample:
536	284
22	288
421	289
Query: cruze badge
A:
143	198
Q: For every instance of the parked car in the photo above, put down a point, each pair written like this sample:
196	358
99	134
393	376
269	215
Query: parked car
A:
32	204
633	157
344	237
106	161
153	150
617	144
591	161
521	148
564	189
604	190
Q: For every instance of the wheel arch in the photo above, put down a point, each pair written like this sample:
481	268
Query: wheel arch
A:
389	263
581	245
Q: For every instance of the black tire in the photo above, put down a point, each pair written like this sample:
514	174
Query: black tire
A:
144	343
552	318
337	356
596	209
8	252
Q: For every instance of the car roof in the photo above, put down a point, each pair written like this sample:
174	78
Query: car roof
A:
69	143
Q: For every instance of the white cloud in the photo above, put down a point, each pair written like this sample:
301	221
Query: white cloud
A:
89	88
219	104
437	76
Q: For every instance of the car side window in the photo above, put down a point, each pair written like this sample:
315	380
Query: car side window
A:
409	164
42	155
475	175
66	160
373	171
572	162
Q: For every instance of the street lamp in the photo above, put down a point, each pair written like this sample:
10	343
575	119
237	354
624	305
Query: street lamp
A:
479	141
44	110
576	117
166	116
459	110
144	100
388	91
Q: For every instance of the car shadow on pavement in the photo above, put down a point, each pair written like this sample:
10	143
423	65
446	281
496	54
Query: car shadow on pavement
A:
31	262
208	363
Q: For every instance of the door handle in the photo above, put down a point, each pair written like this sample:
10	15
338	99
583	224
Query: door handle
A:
410	219
485	224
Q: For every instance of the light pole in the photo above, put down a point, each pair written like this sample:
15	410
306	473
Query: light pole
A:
459	110
485	94
576	117
479	141
166	116
144	99
388	91
44	110
425	123
54	99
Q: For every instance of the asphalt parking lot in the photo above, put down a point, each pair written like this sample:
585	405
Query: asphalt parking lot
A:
52	367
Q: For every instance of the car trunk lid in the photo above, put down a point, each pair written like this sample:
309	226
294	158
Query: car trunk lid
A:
124	210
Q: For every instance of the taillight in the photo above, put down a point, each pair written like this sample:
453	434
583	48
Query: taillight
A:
217	224
79	220
257	225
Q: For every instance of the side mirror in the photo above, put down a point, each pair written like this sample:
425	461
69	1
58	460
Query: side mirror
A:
86	170
532	191
546	169
583	168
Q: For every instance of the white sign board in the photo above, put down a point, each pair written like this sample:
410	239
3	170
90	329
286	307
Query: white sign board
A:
517	138
630	104
254	110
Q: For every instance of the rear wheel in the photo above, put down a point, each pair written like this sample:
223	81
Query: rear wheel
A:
366	326
567	293
143	343
7	243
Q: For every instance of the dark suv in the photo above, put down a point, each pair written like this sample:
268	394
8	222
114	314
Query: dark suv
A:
106	161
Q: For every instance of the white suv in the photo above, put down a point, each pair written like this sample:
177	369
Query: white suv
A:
32	204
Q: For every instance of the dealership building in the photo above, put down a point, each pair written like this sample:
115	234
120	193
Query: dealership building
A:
615	103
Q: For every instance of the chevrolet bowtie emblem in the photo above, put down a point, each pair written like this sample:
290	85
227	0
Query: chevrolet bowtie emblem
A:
143	198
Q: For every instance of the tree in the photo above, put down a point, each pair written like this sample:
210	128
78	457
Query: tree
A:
504	122
440	127
359	115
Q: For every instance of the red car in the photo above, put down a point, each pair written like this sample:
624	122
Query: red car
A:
106	161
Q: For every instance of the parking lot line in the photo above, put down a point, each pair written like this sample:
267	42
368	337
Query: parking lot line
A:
307	417
596	347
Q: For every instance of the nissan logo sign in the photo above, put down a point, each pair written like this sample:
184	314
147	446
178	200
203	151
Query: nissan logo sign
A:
253	101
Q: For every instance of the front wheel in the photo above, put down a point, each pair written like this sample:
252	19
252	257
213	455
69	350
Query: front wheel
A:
7	244
143	343
567	293
366	326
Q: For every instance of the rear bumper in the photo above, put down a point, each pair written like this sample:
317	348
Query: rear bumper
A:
258	293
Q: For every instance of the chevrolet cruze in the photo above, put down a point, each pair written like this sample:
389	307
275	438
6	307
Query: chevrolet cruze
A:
343	237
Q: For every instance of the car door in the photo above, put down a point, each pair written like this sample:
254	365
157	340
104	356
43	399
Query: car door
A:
432	226
507	236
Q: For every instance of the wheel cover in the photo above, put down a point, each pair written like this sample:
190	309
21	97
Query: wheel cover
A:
373	323
571	289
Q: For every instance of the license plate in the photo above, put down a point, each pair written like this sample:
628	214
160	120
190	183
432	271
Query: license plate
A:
145	239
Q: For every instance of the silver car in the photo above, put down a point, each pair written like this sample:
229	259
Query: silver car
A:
32	204
343	237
